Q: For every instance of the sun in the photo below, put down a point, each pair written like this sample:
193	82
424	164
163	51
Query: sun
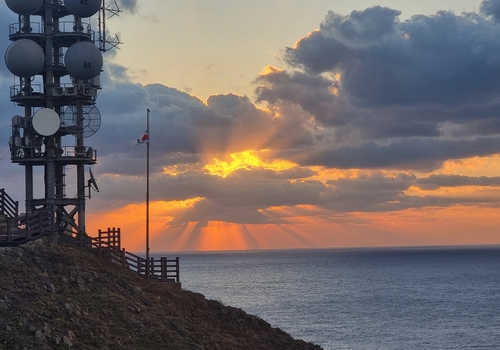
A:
248	160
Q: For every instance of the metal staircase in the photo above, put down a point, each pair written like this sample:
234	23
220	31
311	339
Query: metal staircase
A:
17	229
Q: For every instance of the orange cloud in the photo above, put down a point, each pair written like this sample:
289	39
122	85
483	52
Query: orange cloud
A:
245	160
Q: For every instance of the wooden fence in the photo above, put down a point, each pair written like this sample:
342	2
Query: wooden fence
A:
8	206
30	227
108	244
17	229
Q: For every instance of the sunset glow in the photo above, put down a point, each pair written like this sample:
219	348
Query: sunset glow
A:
248	160
305	126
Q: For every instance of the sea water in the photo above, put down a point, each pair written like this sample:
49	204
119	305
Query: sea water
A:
406	298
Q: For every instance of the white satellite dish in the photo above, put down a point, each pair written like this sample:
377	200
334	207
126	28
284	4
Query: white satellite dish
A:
46	122
83	60
24	7
83	8
24	58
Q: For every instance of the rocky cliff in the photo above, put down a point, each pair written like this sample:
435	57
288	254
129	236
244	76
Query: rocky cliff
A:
62	297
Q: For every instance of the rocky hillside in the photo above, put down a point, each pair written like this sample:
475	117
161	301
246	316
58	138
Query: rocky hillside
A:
61	297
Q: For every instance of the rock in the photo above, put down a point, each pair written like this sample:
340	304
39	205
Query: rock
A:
39	335
67	341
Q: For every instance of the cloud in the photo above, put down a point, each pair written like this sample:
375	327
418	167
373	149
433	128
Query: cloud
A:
367	108
185	129
362	28
440	59
491	8
392	94
128	5
441	180
414	153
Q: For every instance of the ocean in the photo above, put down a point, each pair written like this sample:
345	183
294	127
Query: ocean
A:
398	298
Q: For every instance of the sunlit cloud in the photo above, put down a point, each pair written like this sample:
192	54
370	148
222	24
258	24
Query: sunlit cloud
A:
248	160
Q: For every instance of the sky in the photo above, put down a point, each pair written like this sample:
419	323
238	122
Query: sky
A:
292	124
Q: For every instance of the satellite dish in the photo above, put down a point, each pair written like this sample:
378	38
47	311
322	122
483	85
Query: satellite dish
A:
46	122
83	8
91	119
83	60
92	182
24	58
24	7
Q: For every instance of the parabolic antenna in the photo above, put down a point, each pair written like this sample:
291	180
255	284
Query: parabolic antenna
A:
92	182
46	122
24	7
24	58
83	60
83	8
91	118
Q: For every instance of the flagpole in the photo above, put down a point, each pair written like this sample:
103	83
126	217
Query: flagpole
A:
147	199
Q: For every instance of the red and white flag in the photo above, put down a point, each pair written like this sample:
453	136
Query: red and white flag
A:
142	139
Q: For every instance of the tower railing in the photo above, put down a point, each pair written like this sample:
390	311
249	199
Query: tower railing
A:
62	27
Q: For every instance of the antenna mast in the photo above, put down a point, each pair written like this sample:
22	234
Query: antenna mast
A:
57	66
103	40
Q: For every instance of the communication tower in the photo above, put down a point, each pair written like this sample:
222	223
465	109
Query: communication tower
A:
56	65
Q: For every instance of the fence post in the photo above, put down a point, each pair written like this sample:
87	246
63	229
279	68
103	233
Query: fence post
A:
177	269
163	269
119	238
124	258
112	238
151	268
9	230
40	222
28	222
99	234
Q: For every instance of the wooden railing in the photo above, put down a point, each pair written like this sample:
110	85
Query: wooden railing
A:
27	227
8	206
108	244
40	222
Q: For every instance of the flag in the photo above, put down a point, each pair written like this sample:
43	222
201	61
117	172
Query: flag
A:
142	139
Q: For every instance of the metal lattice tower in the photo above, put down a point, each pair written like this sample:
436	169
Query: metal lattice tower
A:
56	64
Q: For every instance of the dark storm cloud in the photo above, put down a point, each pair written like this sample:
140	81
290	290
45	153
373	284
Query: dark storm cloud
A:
369	193
313	93
414	153
379	193
440	59
491	8
436	181
392	94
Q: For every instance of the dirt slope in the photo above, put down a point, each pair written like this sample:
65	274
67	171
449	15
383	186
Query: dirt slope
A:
61	297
